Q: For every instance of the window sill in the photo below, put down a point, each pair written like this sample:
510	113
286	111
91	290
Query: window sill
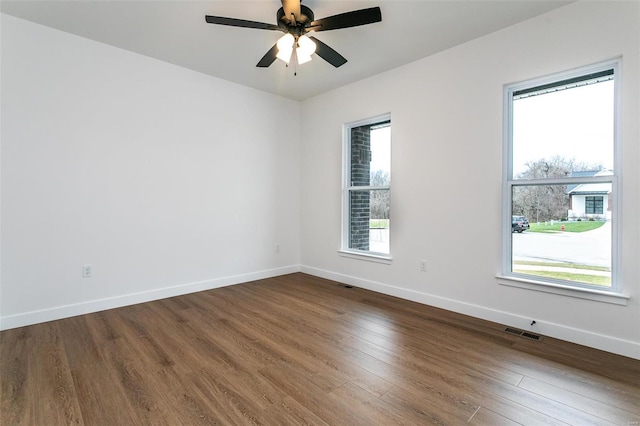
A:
581	293
366	256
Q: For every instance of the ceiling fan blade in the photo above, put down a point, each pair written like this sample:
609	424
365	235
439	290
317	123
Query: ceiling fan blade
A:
348	19
328	54
268	57
233	22
291	7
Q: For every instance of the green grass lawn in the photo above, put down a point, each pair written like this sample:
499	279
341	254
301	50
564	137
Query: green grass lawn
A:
563	265
379	223
577	276
581	278
582	226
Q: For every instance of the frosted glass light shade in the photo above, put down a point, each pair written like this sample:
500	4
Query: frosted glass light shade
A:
306	47
285	48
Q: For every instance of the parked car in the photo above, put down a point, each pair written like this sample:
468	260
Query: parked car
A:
519	224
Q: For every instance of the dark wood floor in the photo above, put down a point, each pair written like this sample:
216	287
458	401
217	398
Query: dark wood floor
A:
302	350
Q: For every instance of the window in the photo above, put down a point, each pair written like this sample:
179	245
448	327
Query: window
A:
593	205
366	201
561	176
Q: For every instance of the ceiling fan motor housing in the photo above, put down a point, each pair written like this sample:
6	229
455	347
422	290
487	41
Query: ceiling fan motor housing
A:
297	27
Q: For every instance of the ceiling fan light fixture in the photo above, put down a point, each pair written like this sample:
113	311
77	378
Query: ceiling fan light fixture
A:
306	47
285	48
302	59
285	55
295	19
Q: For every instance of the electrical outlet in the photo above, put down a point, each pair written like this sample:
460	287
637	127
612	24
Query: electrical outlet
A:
87	271
423	265
277	248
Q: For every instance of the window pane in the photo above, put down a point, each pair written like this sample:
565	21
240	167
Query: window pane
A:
563	128
371	155
546	244
369	220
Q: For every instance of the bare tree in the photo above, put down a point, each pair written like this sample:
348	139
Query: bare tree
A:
541	203
380	199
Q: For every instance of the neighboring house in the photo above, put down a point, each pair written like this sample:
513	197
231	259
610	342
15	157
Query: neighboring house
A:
590	200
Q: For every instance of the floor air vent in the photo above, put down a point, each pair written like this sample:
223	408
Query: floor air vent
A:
531	336
524	334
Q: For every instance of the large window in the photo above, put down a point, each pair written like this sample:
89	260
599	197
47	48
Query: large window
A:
561	180
366	190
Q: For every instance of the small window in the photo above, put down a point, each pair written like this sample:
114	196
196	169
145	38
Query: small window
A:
561	179
367	185
593	205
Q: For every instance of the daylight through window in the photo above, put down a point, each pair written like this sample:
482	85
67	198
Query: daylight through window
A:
561	179
367	184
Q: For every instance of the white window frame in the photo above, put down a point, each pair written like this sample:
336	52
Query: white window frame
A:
612	294
345	250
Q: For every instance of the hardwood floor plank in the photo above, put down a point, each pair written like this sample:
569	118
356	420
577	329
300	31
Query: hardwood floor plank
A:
57	399
592	385
422	406
432	359
294	316
619	368
227	404
488	417
125	368
17	400
326	363
420	384
604	410
489	392
315	399
376	410
472	385
102	400
438	343
549	407
299	349
514	411
309	306
165	378
291	412
276	328
515	363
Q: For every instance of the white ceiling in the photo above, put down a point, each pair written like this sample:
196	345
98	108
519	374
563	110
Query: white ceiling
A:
176	32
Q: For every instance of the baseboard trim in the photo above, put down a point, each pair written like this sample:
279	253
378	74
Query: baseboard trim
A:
66	311
582	337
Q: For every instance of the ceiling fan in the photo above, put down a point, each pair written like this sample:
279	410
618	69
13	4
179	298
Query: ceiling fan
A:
296	20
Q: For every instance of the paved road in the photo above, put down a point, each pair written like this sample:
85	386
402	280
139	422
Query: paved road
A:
379	240
586	248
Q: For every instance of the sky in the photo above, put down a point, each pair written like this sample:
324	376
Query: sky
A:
574	123
381	149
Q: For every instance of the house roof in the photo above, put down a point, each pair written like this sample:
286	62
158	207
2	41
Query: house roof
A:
585	173
590	188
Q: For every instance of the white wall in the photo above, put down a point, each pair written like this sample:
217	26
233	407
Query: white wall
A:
169	181
165	180
447	121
